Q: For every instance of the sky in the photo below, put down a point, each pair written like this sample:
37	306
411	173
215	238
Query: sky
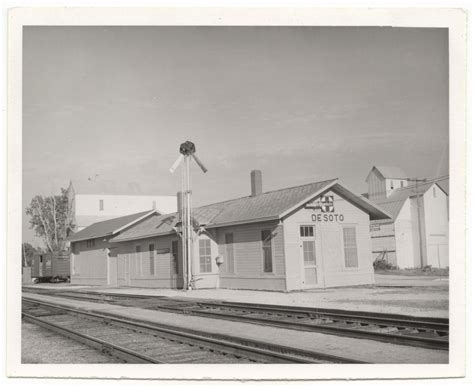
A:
301	104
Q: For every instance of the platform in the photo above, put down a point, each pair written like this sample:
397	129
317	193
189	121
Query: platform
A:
423	297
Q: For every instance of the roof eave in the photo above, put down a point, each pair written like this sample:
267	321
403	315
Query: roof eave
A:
90	237
379	212
308	198
236	223
143	237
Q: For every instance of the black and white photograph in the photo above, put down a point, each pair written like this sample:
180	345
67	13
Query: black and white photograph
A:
236	195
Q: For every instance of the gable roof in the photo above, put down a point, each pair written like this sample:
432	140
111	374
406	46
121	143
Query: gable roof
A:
273	205
109	227
394	203
389	172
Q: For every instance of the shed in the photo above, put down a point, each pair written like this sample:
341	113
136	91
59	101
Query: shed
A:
93	259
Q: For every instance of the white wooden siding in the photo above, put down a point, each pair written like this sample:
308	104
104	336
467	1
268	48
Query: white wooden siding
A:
377	186
140	262
90	263
436	227
248	257
329	247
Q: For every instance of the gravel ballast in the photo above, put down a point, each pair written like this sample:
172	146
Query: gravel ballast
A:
41	346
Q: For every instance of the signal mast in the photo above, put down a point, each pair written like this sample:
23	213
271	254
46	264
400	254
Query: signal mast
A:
188	152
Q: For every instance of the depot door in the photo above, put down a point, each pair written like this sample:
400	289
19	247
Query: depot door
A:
308	256
112	266
176	266
126	269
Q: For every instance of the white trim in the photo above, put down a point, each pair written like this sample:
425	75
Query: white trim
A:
367	201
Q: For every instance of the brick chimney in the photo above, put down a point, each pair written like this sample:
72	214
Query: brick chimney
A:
256	182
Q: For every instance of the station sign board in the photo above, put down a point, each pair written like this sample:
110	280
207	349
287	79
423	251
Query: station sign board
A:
324	210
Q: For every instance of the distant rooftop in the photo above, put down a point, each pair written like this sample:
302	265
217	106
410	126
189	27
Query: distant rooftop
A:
394	203
389	172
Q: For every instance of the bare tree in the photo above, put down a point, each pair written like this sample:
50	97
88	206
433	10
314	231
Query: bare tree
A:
52	219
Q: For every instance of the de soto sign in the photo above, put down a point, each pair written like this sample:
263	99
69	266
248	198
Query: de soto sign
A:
325	205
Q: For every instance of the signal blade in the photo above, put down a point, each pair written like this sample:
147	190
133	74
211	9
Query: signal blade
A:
198	162
176	163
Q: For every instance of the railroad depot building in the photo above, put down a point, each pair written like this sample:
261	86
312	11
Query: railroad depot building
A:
311	236
417	233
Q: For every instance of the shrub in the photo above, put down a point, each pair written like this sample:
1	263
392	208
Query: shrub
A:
382	264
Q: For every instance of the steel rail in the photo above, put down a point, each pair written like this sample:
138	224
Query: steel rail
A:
232	345
402	339
360	317
103	346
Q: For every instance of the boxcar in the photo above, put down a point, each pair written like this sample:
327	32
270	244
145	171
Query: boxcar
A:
51	267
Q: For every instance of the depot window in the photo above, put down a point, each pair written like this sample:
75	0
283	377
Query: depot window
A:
205	256
350	247
306	231
267	251
151	249
101	205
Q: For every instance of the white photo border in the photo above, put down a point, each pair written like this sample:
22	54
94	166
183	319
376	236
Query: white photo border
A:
453	19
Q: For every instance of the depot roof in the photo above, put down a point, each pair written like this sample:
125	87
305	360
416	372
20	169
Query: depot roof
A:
109	227
273	205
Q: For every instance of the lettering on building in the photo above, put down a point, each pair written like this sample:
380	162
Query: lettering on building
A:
325	205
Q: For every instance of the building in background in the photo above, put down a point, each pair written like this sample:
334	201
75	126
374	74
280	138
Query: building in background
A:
417	234
95	201
310	236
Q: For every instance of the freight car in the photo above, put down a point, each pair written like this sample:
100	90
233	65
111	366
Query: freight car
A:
51	267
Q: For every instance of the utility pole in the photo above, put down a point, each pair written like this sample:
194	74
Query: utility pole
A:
420	239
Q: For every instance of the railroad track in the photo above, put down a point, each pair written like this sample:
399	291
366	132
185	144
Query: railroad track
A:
139	342
398	329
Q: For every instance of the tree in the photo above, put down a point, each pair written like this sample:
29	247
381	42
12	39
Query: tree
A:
27	253
52	219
